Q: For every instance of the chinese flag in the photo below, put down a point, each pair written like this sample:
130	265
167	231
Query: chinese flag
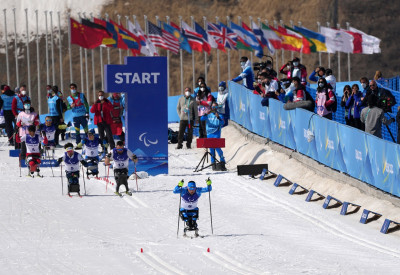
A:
85	36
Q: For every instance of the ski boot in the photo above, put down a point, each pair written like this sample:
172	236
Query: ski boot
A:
118	193
129	193
38	173
31	174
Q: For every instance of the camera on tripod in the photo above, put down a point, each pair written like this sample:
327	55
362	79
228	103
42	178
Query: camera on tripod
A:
258	66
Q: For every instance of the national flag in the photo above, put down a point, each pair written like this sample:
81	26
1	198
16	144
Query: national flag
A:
195	39
175	31
337	40
208	40
84	36
101	28
241	42
259	34
113	29
228	37
370	44
289	42
147	47
308	46
130	40
317	38
357	41
274	41
214	31
162	39
254	42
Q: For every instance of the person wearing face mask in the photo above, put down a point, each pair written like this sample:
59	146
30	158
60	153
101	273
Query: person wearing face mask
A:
56	107
365	89
247	74
80	113
214	123
222	101
188	115
266	88
102	118
204	100
286	69
299	97
118	108
317	74
49	88
200	80
18	101
331	79
295	70
325	99
6	100
270	69
25	118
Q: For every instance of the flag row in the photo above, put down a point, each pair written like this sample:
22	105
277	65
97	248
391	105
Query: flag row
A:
96	32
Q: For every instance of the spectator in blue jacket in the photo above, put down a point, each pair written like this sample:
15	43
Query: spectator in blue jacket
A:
6	99
317	74
354	104
247	74
214	123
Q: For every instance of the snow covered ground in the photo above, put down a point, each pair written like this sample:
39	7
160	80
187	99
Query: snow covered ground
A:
258	228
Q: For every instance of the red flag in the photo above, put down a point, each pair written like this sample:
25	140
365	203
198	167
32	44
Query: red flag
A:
85	36
357	42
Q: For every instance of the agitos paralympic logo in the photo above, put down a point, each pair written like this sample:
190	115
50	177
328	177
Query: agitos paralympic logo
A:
146	141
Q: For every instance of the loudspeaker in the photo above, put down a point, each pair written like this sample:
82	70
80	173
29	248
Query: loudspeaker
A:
251	169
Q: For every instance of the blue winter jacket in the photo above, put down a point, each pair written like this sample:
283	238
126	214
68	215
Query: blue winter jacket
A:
213	124
314	76
352	102
247	76
199	190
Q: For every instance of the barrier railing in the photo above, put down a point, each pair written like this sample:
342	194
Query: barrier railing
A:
359	154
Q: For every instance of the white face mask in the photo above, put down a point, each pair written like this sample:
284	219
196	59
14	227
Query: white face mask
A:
202	89
23	92
73	91
221	89
364	85
187	93
27	106
269	67
288	67
101	97
295	64
320	85
242	64
199	83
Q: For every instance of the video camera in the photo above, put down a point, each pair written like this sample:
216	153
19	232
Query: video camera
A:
386	103
258	66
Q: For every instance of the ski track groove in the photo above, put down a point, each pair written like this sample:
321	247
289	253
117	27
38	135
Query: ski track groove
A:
226	265
165	264
234	262
152	264
328	227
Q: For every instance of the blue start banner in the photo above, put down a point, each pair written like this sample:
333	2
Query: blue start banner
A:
144	82
346	149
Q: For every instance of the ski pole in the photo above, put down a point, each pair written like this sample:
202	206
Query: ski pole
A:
137	188
179	211
209	198
108	172
62	183
51	166
83	176
19	159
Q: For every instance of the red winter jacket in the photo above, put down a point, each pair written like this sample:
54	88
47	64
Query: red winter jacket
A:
102	113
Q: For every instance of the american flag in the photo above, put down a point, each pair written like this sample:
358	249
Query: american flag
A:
222	35
162	39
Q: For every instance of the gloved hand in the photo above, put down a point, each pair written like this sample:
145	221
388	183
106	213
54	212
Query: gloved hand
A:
180	184
208	181
84	163
87	117
59	160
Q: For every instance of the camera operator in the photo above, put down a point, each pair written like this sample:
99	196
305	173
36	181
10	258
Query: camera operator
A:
384	98
265	67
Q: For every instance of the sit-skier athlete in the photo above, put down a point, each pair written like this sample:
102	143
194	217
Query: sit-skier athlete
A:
189	212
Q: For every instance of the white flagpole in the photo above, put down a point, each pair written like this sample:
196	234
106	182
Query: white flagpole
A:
101	65
319	53
47	52
239	20
6	42
276	51
228	23
205	54
338	56
181	55
69	49
218	75
93	72
52	48
108	49
119	50
60	52
81	63
283	51
301	52
27	52
348	57
193	68
168	57
38	63
127	27
329	55
292	53
86	67
16	49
